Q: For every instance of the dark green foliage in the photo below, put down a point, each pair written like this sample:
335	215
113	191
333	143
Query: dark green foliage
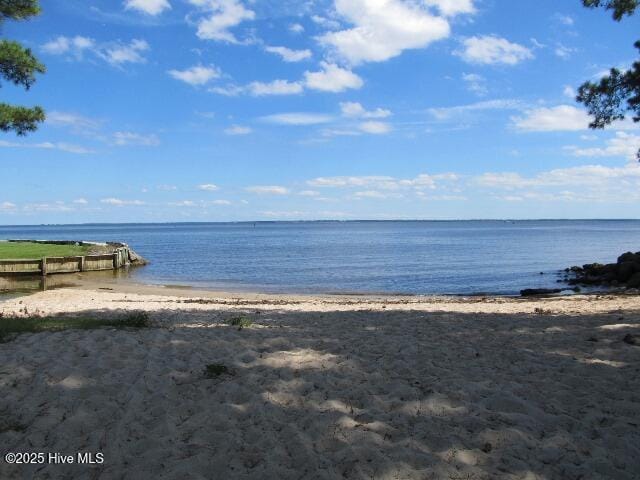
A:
12	326
240	322
620	7
19	66
617	94
18	9
214	370
20	119
136	320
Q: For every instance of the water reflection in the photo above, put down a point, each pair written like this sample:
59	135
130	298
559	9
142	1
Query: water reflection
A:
24	284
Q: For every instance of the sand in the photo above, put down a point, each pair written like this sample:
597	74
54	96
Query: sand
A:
325	387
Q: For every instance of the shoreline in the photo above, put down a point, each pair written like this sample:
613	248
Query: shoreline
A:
120	281
71	298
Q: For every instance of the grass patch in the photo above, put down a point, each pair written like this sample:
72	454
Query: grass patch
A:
214	370
18	250
12	326
240	322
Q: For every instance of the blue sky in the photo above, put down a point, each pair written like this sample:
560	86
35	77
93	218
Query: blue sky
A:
226	110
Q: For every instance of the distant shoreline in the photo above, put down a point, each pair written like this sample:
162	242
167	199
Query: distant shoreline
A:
244	222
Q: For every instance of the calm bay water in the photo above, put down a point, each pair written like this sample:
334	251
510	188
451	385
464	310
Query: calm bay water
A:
458	257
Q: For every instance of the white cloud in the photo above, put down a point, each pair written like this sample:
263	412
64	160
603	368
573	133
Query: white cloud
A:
289	55
183	203
150	7
268	190
238	130
284	214
62	146
340	132
229	90
276	87
117	202
383	29
325	22
332	78
222	15
261	89
81	201
72	120
208	187
114	53
356	110
563	51
569	92
587	183
121	53
564	19
563	118
622	145
7	206
475	83
493	50
122	139
384	182
196	75
586	175
447	113
200	204
296	28
72	45
375	194
375	128
297	118
450	8
309	193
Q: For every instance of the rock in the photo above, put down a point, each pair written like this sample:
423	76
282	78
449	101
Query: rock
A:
624	271
528	292
634	281
136	259
631	339
629	257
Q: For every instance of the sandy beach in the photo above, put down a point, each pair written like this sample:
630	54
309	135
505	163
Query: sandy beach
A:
325	387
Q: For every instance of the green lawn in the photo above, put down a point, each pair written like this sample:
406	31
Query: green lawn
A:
11	250
11	326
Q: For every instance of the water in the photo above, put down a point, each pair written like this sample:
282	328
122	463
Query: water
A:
459	257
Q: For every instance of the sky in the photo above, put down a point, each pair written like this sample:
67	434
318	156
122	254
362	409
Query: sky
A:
241	110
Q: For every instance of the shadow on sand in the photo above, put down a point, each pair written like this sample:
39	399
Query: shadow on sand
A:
358	395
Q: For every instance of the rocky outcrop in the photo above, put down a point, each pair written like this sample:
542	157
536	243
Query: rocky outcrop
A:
624	273
135	259
530	292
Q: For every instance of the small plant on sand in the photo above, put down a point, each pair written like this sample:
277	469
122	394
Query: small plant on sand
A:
11	426
214	370
240	322
136	320
542	311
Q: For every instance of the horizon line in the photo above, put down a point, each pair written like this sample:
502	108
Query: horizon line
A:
326	221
